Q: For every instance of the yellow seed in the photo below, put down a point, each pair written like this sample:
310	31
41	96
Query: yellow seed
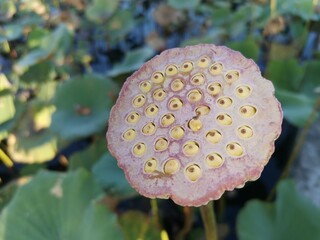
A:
159	94
224	119
243	91
216	68
161	144
157	77
150	165
190	148
195	125
232	76
171	166
245	132
177	85
152	110
171	70
167	119
186	67
214	136
224	102
202	110
175	104
139	149
197	79
129	135
149	129
133	117
214	89
139	101
214	160
177	132
193	172
247	111
194	95
145	86
234	149
204	62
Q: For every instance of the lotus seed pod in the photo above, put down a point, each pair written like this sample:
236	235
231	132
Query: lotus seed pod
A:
194	122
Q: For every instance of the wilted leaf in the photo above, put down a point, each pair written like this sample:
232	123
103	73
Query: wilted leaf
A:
111	177
82	106
54	206
132	61
292	217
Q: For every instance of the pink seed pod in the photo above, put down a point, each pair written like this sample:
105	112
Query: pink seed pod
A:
194	122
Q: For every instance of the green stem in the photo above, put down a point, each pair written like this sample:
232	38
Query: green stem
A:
209	220
155	211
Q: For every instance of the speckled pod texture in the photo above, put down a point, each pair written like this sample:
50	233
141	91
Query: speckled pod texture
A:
194	122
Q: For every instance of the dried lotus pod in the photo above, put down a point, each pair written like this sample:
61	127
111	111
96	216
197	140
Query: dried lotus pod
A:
193	156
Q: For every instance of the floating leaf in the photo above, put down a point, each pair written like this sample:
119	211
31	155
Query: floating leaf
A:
111	177
82	106
292	216
182	4
53	206
141	228
249	48
132	61
100	10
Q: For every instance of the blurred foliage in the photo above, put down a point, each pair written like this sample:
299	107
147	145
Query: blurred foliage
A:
62	63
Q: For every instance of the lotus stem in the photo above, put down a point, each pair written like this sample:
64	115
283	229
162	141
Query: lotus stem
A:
209	221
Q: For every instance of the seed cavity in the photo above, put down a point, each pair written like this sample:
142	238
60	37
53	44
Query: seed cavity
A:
149	129
133	117
171	70
161	144
234	149
214	136
245	132
195	125
171	166
243	91
247	111
177	85
152	110
177	132
202	110
175	104
139	149
214	160
193	172
194	95
216	68
232	76
145	86
159	94
204	62
214	89
190	148
186	67
139	101
129	135
150	165
197	79
224	119
167	119
158	77
224	102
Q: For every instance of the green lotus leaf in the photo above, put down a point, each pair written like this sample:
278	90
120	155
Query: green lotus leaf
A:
111	177
249	48
58	206
292	216
101	10
39	73
132	61
7	10
82	106
182	4
137	225
11	32
302	8
88	157
32	58
35	37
